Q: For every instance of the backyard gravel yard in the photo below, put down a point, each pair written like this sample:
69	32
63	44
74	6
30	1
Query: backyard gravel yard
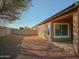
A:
31	47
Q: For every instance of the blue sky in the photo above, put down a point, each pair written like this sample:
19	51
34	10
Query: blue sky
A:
41	10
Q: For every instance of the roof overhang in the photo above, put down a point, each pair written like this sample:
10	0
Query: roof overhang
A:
70	8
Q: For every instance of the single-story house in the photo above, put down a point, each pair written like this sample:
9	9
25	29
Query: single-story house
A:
62	26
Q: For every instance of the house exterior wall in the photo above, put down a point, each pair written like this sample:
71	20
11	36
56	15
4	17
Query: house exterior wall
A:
69	21
76	31
73	28
47	33
43	30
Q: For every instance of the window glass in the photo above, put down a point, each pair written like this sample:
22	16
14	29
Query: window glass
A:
61	30
58	30
64	29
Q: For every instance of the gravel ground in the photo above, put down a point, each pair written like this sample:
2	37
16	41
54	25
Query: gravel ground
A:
31	47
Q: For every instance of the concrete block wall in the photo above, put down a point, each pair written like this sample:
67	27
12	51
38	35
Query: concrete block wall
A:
23	32
4	31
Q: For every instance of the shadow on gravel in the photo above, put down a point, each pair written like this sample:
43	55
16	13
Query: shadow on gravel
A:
25	54
9	46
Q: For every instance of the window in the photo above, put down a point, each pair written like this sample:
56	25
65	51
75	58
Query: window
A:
61	30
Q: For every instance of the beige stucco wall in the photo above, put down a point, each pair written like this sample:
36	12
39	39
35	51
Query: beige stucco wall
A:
41	31
68	20
76	31
4	31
